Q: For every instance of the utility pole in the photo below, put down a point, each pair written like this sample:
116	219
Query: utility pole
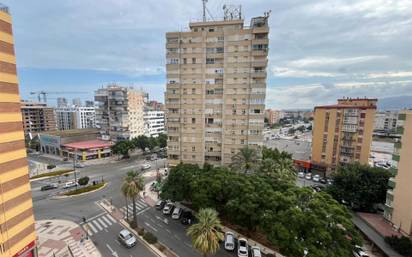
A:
204	10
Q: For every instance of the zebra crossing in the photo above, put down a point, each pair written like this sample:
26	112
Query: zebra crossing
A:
141	206
99	223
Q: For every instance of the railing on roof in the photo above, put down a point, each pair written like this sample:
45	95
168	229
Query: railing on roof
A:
4	8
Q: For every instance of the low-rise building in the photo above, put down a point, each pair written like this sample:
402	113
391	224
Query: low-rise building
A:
273	116
75	117
385	121
154	123
37	117
398	208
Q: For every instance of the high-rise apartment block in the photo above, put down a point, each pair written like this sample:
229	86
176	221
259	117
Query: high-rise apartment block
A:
386	122
37	117
75	117
119	112
342	133
154	122
61	102
216	86
398	207
17	233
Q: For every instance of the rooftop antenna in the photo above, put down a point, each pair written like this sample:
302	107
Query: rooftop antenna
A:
204	10
232	12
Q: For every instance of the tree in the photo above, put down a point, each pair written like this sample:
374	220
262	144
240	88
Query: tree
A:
245	161
83	181
206	233
177	186
133	183
141	142
122	148
162	140
291	131
361	186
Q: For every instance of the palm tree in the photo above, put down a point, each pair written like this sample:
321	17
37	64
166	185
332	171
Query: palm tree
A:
245	160
133	183
206	233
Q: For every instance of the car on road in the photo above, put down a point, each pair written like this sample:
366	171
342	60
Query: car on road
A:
79	165
48	187
146	166
229	241
329	181
256	251
316	178
242	248
188	218
177	212
168	209
160	204
127	238
359	252
323	181
317	188
301	175
70	184
308	176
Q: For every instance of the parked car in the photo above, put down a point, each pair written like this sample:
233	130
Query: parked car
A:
177	212
242	248
359	252
127	238
301	175
229	241
256	251
70	184
308	176
323	181
188	218
168	209
316	178
79	165
317	188
153	157
146	166
48	187
329	181
160	204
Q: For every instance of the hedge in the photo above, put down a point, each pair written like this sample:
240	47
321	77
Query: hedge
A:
53	173
150	238
85	189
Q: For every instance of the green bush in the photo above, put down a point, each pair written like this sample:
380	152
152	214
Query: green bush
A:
83	181
85	189
53	173
150	238
402	245
141	231
133	224
161	247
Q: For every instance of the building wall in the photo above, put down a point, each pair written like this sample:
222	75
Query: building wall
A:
16	215
399	203
154	123
75	117
135	109
216	75
37	117
343	133
386	121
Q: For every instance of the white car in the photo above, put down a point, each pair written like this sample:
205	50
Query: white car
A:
229	241
359	252
176	213
167	210
256	251
301	175
146	166
242	248
308	176
70	184
316	178
127	238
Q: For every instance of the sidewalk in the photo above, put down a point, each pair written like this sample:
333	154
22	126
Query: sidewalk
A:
61	238
374	236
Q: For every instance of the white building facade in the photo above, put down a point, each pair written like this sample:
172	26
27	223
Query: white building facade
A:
386	121
154	123
75	117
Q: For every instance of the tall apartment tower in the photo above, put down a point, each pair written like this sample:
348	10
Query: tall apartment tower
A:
398	207
61	102
37	117
17	234
216	87
119	112
342	133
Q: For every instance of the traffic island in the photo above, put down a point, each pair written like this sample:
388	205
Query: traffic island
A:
51	174
86	189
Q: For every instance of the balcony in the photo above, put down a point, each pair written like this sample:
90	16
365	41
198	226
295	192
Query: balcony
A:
349	128
392	183
259	52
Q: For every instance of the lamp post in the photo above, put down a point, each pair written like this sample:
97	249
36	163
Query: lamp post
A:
74	166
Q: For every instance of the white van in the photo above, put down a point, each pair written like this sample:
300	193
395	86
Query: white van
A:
176	213
229	241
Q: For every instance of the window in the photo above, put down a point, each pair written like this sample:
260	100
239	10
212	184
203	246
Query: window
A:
220	39
210	60
256	111
211	29
193	90
219	50
363	115
193	148
193	120
193	60
184	61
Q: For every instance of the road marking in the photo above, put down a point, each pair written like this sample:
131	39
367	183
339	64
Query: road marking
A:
140	205
152	220
117	241
97	225
168	231
111	250
107	220
92	227
157	217
160	225
111	218
101	222
140	212
178	238
188	245
98	215
150	226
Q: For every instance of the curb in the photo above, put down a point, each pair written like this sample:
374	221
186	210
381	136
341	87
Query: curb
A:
52	176
85	193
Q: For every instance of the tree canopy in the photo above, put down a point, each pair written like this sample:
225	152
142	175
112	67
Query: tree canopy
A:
142	142
359	185
268	201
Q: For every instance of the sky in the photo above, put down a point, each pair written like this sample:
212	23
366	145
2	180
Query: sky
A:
319	50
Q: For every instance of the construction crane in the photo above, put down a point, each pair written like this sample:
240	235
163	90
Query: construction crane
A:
42	95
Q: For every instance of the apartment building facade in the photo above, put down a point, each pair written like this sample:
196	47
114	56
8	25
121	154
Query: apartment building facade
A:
37	117
216	87
386	121
17	233
154	122
398	207
75	117
342	133
273	116
119	112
